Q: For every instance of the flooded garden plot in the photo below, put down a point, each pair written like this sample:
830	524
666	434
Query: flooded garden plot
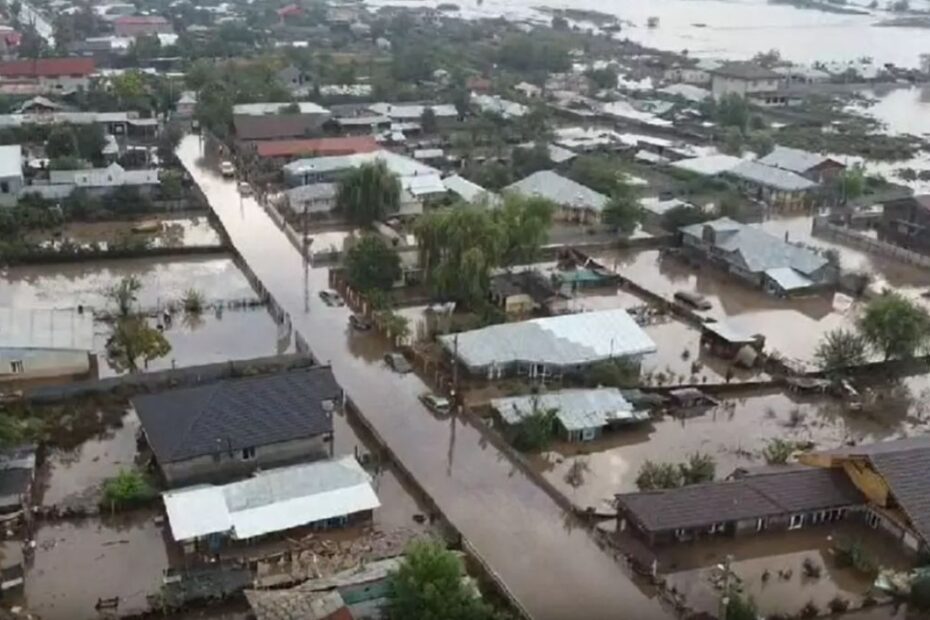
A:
164	231
735	434
793	327
781	571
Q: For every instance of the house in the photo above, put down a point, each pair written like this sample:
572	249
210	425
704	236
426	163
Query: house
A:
754	255
413	112
141	25
38	105
530	91
575	201
688	92
708	165
51	74
813	166
906	222
277	121
17	476
523	293
320	495
116	123
286	150
470	192
796	75
697	73
892	477
231	428
773	499
186	104
655	208
774	186
44	344
728	342
504	108
315	200
582	415
551	346
11	174
745	79
97	182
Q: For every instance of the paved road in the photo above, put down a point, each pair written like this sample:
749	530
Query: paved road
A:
555	569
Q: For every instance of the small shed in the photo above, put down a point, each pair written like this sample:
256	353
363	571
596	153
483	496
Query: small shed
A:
726	341
691	399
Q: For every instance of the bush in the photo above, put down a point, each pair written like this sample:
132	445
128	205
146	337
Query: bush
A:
613	373
778	451
193	301
653	476
853	554
127	490
700	467
535	432
739	608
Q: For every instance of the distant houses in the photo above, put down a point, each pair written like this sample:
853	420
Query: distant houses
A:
50	75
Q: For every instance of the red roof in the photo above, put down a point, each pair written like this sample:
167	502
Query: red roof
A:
290	11
47	67
323	147
140	20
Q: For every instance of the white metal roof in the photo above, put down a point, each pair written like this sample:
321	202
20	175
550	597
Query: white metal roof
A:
398	164
423	184
407	111
794	160
468	191
271	501
729	333
567	340
575	409
502	107
11	161
661	207
788	279
260	109
710	165
33	328
560	190
113	176
775	178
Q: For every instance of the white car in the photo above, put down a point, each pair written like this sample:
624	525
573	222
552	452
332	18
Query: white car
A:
245	189
227	169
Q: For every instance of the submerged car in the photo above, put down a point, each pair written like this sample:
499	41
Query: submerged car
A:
398	363
331	298
359	323
436	404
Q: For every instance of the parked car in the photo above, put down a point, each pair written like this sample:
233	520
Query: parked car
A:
359	323
331	298
398	363
436	404
245	189
694	300
227	169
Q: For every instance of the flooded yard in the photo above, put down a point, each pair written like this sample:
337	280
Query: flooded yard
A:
77	563
771	570
792	327
735	433
174	231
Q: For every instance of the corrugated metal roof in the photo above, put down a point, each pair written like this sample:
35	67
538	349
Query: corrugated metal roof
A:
788	279
568	340
560	190
412	111
398	164
260	109
33	328
774	178
468	191
729	333
271	501
711	165
575	409
11	161
794	160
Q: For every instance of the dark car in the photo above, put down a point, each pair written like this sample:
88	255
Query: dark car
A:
694	300
359	323
398	363
331	298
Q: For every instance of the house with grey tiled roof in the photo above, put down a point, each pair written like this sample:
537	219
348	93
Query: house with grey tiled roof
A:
576	202
228	429
767	261
814	166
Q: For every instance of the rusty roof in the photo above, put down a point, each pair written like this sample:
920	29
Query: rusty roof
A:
322	147
766	494
44	67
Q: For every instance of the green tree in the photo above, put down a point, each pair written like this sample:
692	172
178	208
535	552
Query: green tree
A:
839	349
677	217
61	142
851	184
732	141
740	608
124	295
129	86
701	467
761	143
368	194
526	161
894	326
623	211
90	142
653	476
535	432
598	173
132	340
733	111
603	79
168	141
428	120
372	265
430	585
524	223
128	489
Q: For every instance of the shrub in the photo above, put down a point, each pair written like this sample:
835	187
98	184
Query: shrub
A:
658	476
838	605
778	451
700	467
193	301
127	490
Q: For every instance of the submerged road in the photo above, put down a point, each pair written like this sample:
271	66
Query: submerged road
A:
554	568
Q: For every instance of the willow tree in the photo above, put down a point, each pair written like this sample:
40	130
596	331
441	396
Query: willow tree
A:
368	193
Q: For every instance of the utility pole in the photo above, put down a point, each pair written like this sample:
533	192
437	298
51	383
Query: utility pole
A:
455	368
725	596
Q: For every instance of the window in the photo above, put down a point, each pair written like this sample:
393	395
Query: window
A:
716	528
248	454
16	367
4	187
796	522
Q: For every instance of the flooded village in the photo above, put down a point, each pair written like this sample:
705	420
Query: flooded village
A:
485	310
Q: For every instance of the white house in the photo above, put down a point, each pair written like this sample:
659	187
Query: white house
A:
184	108
11	174
38	343
744	79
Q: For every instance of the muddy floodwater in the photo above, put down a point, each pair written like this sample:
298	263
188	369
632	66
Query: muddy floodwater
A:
791	326
68	285
735	434
160	232
691	569
515	526
77	563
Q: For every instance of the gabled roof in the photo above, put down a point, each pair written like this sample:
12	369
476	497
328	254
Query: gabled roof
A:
47	67
768	176
795	160
575	409
745	71
560	190
762	495
36	328
235	414
322	147
758	249
276	126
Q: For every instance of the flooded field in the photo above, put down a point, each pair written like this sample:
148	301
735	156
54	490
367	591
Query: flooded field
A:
791	326
691	569
158	232
735	434
76	563
72	284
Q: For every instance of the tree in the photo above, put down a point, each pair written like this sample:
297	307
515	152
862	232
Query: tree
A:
740	608
840	349
598	173
168	141
61	142
526	161
733	111
429	585
653	476
124	295
732	141
372	265
129	86
524	223
700	467
761	143
604	78
128	489
368	194
90	142
623	211
683	215
134	339
894	326
428	120
850	185
534	432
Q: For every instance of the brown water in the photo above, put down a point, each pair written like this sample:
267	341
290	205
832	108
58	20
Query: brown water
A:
734	434
555	570
176	232
77	563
